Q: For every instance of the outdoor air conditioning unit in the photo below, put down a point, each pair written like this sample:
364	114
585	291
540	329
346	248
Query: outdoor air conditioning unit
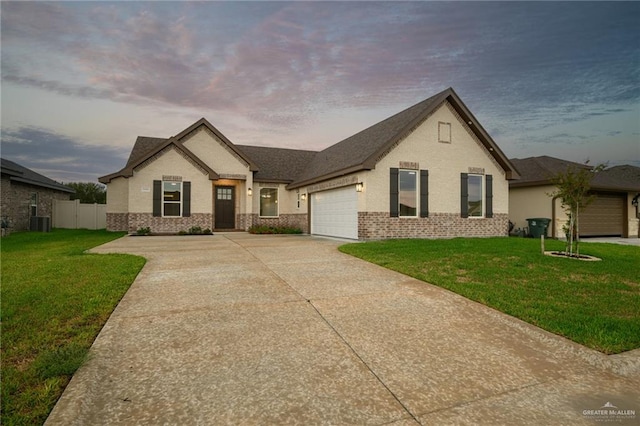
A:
40	224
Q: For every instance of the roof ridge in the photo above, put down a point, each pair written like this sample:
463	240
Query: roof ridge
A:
276	147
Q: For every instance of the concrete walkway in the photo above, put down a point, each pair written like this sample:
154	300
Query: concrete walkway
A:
242	329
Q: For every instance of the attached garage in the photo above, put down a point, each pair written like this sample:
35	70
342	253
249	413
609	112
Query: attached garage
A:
604	216
334	213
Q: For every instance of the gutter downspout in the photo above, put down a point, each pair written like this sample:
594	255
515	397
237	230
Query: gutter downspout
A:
553	217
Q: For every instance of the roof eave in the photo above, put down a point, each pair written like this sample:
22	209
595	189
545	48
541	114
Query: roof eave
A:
449	94
524	184
371	161
58	187
342	172
267	180
511	172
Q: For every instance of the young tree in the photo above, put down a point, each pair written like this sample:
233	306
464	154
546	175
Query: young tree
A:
573	187
88	192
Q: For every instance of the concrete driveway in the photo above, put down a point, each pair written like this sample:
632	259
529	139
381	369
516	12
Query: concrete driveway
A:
242	329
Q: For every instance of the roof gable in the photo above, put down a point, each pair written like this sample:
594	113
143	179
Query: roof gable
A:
146	148
19	173
182	136
364	149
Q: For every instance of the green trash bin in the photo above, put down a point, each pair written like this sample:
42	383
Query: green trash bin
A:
538	226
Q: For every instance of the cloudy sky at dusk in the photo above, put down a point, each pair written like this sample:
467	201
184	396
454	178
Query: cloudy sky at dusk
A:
80	80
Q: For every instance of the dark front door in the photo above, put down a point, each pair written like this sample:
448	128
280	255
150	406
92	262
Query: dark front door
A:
225	208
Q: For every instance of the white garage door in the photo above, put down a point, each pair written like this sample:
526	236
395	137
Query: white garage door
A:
335	213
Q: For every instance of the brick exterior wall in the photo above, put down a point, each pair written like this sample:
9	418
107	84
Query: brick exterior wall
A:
16	202
245	221
371	225
131	222
117	221
379	225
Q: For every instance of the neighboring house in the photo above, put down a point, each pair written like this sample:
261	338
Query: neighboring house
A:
612	212
428	171
27	194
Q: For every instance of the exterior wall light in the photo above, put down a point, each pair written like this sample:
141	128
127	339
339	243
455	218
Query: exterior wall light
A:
359	186
249	192
303	197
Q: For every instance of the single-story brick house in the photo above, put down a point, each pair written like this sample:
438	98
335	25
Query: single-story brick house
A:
613	212
428	171
26	194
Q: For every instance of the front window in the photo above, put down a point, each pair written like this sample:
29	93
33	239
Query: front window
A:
408	192
269	202
172	198
474	188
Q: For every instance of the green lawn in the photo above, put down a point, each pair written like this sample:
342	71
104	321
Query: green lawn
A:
596	304
55	300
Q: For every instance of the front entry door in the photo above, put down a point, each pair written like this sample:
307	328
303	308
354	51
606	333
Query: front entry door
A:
225	208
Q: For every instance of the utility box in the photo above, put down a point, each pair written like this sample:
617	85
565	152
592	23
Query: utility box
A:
538	226
40	224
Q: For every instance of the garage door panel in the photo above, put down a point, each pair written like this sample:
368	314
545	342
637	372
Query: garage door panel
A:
604	216
335	213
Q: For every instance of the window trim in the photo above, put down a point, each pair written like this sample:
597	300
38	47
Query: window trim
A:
441	127
482	196
276	202
164	202
417	193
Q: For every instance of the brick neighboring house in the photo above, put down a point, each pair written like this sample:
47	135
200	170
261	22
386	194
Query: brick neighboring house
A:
428	171
25	194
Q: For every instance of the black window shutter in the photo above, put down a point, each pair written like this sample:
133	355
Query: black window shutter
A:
424	193
186	199
489	191
157	198
393	193
464	195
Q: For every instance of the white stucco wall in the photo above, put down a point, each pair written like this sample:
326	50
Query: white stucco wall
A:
530	202
118	196
215	153
444	161
287	200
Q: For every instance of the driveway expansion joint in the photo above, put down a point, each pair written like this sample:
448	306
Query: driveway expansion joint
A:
497	395
357	355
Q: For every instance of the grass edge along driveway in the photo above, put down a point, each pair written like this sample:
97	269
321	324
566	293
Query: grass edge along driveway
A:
596	304
55	301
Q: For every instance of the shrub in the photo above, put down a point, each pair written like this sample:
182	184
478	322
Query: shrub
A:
264	229
143	231
196	230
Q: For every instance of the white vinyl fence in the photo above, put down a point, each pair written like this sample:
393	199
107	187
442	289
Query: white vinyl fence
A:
74	215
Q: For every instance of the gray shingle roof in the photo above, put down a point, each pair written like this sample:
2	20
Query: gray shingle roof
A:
278	164
364	149
19	173
539	171
358	152
144	145
625	178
